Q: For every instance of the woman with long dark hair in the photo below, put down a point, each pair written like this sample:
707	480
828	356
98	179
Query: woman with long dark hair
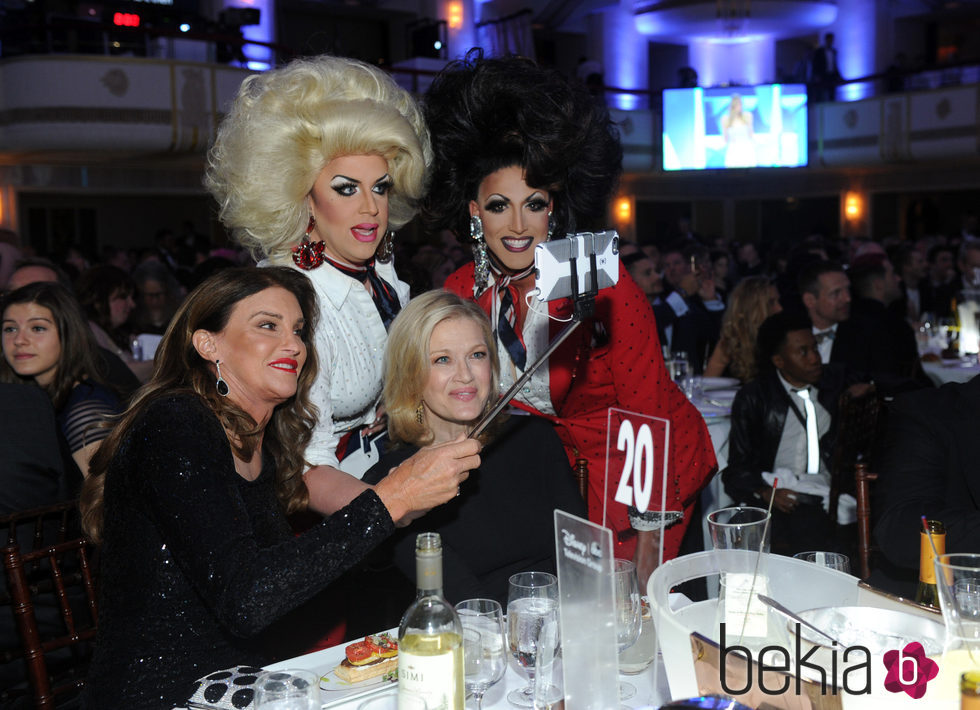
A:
189	495
47	341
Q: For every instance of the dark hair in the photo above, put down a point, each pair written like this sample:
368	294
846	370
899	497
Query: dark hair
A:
77	360
773	332
938	249
95	288
809	278
486	114
40	261
631	259
866	269
179	368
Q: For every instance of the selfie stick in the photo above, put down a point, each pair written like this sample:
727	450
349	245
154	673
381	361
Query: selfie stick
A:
584	305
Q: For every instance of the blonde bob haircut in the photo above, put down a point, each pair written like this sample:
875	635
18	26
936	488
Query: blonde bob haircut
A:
283	128
407	359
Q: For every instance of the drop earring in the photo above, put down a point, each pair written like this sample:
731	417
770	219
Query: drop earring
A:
481	273
220	385
420	414
308	255
551	226
386	248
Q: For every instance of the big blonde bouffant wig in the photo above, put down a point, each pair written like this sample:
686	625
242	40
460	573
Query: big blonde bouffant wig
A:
407	359
284	127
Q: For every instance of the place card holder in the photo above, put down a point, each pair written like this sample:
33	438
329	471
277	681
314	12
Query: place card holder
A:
590	665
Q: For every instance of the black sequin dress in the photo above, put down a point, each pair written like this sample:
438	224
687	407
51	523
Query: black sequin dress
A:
198	563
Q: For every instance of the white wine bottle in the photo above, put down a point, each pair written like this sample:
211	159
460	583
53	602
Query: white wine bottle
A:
430	638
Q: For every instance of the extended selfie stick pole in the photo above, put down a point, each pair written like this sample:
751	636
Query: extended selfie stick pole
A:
583	306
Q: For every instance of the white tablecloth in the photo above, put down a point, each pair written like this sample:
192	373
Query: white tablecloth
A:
719	423
321	662
951	371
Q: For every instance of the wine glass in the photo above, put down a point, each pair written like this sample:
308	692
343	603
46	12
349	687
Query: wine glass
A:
628	610
532	629
484	662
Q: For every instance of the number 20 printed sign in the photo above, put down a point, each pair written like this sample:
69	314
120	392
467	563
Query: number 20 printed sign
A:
636	460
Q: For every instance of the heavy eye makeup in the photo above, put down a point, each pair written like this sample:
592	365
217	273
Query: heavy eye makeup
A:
347	187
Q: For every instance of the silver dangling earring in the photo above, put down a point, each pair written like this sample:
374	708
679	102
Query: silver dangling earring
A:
481	272
220	385
386	248
551	226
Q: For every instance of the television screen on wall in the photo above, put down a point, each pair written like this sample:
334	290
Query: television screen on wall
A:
761	126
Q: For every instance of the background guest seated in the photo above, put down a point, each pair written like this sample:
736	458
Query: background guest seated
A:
928	467
189	496
47	341
754	299
106	295
689	317
441	367
772	435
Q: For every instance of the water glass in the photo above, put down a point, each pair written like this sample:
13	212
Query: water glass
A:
484	662
532	630
958	580
833	560
287	690
741	535
740	528
693	386
628	610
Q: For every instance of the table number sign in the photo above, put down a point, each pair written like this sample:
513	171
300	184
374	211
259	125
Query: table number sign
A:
637	448
590	665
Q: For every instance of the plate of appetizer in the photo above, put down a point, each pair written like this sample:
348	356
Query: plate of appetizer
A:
365	667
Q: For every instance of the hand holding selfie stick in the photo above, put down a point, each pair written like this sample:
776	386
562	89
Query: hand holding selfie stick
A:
584	305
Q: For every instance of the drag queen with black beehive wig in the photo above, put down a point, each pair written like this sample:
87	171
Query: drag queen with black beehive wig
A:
522	156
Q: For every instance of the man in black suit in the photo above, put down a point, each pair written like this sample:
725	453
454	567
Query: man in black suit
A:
824	72
689	314
896	354
782	425
929	467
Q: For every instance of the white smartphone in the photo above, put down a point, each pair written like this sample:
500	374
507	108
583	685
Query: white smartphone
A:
552	263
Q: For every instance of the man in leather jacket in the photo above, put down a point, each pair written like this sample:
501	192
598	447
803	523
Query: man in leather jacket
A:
769	434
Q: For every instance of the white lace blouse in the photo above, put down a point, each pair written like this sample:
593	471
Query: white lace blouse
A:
350	342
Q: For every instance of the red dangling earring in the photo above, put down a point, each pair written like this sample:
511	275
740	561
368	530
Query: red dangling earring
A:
308	255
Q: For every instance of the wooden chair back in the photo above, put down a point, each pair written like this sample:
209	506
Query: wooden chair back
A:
857	430
581	471
54	574
862	482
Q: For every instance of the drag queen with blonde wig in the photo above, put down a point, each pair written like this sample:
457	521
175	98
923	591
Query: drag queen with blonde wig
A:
313	167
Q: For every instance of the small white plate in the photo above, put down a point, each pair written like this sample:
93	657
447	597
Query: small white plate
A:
334	690
719	383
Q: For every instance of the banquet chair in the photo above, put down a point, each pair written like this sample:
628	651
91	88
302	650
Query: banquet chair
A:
581	471
862	483
50	590
858	426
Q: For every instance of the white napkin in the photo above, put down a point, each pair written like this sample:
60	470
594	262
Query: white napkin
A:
814	485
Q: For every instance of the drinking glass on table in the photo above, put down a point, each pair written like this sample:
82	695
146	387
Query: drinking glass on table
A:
287	690
833	560
532	630
484	662
627	607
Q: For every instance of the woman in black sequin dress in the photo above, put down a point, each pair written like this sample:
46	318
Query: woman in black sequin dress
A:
188	496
